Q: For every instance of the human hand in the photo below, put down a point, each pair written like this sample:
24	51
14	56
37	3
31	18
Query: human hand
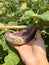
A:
34	52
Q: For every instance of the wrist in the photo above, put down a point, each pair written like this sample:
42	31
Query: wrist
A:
44	61
37	62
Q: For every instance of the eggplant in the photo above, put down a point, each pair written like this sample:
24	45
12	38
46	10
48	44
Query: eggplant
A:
21	37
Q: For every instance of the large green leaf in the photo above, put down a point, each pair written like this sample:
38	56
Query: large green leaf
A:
29	13
44	16
11	59
3	64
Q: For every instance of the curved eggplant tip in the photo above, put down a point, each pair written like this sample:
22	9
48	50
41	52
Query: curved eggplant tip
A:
10	37
15	40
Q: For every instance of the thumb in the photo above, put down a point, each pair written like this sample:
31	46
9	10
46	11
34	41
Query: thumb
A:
38	35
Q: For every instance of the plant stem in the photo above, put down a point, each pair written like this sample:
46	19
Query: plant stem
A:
13	27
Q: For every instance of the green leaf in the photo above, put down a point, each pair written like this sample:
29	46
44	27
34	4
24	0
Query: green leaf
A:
3	64
11	59
3	43
0	11
44	16
12	23
29	14
1	6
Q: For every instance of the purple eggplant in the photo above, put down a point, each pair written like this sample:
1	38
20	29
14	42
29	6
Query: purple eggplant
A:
21	37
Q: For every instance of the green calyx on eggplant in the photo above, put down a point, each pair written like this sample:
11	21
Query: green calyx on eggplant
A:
21	37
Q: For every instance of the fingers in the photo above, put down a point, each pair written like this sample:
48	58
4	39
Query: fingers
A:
38	35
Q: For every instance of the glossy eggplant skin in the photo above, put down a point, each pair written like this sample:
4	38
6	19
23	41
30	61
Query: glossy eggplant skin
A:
32	33
22	37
